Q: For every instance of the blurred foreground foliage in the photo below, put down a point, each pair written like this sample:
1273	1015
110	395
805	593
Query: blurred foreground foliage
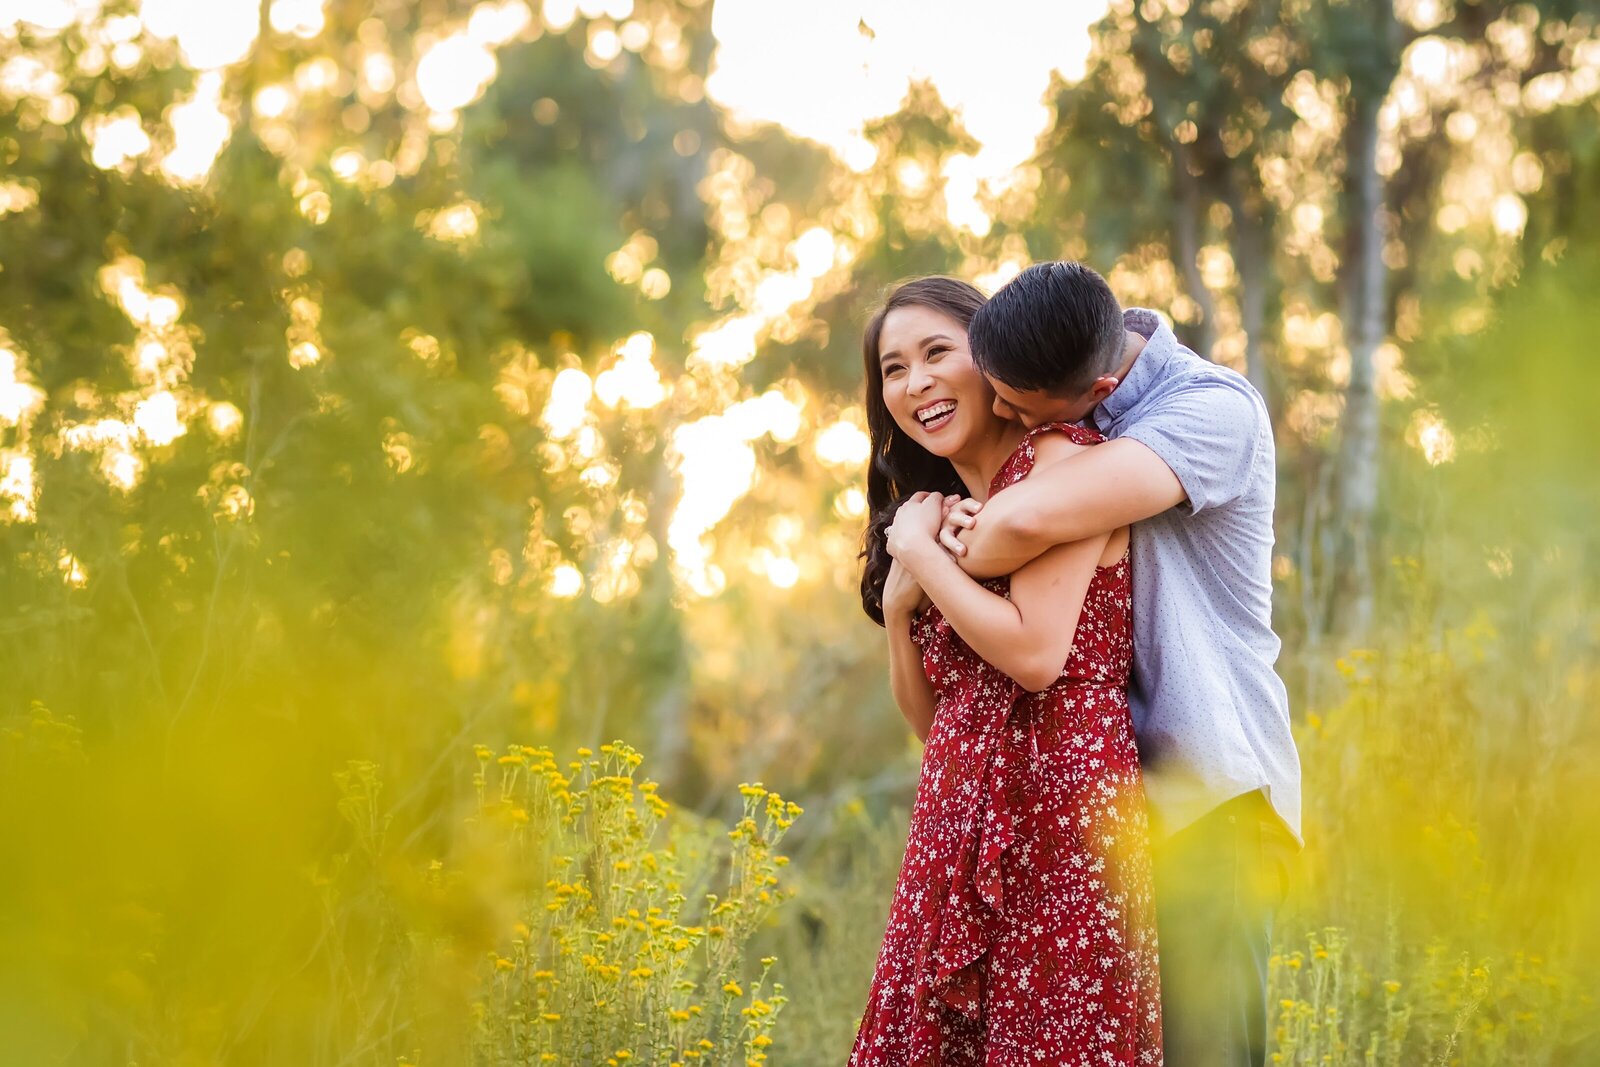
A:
556	920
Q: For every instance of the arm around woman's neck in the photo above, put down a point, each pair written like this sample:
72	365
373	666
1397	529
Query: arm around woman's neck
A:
1088	494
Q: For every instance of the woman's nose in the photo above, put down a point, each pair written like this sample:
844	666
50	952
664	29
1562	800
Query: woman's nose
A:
919	380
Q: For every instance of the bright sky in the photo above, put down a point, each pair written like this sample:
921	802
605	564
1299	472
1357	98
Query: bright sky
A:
811	68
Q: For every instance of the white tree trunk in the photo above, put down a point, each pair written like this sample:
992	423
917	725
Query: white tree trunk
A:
1186	235
1365	318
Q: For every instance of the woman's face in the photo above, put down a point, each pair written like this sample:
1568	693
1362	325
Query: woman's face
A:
932	390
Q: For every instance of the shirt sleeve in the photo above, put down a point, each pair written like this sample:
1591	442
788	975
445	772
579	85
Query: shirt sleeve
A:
1208	431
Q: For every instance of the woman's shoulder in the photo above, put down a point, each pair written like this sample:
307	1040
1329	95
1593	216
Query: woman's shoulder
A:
1050	442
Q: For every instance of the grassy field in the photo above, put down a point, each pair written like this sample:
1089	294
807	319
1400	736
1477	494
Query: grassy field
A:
565	912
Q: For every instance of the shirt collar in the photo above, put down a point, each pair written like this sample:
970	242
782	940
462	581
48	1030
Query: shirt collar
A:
1160	343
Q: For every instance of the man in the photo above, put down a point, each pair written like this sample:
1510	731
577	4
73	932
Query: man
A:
1190	464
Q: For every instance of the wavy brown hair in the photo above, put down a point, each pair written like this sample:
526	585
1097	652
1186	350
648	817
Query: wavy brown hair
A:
899	466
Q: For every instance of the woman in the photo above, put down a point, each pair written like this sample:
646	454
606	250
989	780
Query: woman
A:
1022	930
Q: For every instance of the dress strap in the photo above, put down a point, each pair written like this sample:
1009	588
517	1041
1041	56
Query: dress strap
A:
1076	433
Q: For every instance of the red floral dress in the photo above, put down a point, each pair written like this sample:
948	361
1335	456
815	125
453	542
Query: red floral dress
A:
1023	929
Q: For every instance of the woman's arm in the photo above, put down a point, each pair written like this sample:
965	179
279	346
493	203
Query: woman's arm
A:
913	693
1028	636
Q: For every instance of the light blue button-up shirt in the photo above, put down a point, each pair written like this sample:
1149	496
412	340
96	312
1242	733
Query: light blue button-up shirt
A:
1210	713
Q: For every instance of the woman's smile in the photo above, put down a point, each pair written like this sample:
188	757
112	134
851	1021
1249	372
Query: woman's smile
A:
937	415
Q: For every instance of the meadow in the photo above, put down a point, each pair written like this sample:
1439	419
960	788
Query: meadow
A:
431	483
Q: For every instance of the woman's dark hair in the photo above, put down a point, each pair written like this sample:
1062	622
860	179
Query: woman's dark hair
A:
1055	327
899	466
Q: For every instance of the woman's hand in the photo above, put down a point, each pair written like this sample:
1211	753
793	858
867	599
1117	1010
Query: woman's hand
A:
915	529
902	594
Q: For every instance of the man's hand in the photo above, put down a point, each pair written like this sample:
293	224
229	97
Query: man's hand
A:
960	515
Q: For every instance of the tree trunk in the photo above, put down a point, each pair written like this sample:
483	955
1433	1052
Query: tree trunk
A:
1252	260
1364	330
1186	233
669	714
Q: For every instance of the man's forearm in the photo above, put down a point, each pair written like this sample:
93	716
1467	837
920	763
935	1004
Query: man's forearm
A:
1092	493
1002	541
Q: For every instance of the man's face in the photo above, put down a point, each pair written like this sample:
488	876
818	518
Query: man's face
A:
1035	407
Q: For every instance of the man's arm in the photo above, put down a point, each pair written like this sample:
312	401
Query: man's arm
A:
1088	494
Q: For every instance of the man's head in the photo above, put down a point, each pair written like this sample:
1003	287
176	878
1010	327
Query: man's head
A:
1050	342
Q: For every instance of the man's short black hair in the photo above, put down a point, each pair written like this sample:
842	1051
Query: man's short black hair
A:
1055	327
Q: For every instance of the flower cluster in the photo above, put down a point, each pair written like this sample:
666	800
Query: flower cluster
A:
622	952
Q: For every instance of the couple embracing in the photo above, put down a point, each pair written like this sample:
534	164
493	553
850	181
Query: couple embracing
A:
1070	550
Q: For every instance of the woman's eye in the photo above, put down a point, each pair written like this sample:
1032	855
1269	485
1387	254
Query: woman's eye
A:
936	351
892	369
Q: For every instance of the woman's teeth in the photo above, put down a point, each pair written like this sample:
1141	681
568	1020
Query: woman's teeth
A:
935	415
